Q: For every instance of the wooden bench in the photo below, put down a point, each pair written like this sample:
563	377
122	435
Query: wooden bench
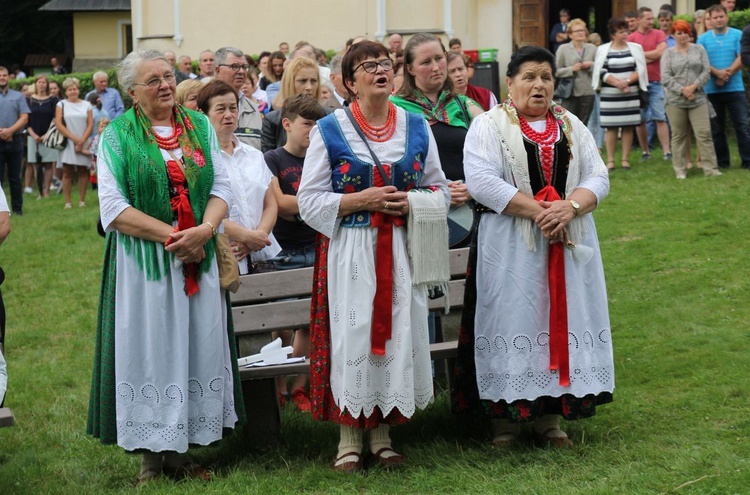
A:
6	417
268	302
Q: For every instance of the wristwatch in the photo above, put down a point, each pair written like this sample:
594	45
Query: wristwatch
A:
575	205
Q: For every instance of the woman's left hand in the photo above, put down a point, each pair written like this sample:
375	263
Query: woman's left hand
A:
240	250
555	218
459	193
187	245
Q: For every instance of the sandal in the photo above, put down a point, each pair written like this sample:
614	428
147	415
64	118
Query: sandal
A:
504	440
146	476
625	167
349	467
188	470
392	461
610	165
557	441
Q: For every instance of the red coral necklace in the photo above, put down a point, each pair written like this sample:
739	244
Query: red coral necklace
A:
170	142
545	140
380	133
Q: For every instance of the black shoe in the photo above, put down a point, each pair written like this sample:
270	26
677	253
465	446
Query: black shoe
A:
18	213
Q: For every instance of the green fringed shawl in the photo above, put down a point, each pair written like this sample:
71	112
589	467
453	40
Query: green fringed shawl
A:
129	148
446	110
141	176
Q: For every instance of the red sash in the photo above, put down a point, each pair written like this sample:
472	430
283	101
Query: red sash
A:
185	219
382	308
558	309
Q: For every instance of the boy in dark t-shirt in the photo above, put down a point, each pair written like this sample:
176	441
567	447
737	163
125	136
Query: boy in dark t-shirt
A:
298	117
297	239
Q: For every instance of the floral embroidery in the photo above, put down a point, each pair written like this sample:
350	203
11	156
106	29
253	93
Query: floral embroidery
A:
344	181
200	160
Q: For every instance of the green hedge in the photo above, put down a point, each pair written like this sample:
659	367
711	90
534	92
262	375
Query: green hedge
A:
738	19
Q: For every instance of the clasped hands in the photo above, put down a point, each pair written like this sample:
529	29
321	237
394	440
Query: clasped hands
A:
187	245
388	200
554	219
253	240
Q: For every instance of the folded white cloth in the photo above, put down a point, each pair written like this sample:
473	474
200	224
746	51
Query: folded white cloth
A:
427	238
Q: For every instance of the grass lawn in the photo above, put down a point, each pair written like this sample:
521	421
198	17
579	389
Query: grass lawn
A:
676	255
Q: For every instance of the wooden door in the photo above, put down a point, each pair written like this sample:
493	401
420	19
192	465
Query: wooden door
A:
619	7
529	23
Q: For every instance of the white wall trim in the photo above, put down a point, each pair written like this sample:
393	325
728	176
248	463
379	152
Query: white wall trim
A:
380	19
178	38
448	18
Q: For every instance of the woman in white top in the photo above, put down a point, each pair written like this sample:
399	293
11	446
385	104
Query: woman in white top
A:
75	120
253	215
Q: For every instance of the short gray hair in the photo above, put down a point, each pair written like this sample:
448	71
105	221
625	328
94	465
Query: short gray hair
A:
128	68
221	54
335	64
99	74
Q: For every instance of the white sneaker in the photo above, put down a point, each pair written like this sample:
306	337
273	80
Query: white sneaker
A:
28	190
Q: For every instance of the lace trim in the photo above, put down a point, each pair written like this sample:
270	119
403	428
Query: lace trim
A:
518	368
173	417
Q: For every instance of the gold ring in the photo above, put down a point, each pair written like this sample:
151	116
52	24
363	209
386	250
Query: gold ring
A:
386	206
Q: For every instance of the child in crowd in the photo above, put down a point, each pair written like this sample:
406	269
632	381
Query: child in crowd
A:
298	116
92	149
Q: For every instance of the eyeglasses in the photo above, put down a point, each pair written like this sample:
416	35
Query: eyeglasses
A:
578	31
156	82
371	67
236	67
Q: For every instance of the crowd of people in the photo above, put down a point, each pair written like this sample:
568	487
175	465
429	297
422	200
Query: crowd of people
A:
352	166
357	183
673	84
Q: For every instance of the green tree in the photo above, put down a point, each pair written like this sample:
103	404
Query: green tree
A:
24	29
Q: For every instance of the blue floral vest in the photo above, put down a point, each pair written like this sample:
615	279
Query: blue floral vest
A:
350	174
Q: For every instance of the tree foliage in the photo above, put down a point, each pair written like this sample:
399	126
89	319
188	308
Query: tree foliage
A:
24	30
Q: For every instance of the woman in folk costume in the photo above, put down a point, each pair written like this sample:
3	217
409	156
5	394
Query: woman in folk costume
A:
535	342
165	374
370	357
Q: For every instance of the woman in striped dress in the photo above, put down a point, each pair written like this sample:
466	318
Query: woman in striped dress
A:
619	71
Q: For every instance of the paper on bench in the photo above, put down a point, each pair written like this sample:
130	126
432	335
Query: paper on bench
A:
290	360
271	353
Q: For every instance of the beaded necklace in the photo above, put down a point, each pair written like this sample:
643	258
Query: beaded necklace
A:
380	133
170	142
544	140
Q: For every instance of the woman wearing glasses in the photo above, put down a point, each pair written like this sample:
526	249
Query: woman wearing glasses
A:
370	358
300	77
575	60
165	376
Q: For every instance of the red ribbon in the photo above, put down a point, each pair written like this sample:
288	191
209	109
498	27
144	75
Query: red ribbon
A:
185	219
382	308
559	358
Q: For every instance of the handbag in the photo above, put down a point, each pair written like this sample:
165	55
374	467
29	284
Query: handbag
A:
643	95
229	271
564	89
54	138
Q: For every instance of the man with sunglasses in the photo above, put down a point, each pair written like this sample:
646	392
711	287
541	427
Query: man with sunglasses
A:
232	67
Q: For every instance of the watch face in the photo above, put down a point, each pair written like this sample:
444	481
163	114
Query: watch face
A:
575	204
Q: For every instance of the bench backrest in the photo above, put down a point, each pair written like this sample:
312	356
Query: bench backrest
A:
280	300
